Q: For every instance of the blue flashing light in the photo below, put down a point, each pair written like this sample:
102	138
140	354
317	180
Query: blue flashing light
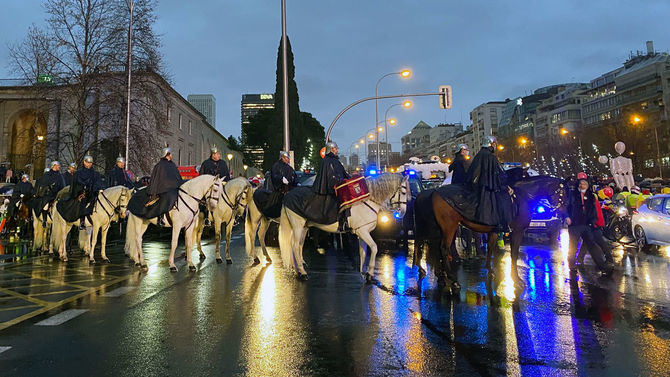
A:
373	172
397	215
412	172
540	209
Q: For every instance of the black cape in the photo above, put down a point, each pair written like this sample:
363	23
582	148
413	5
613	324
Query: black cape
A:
119	177
216	168
319	204
269	202
164	177
281	170
46	189
458	168
68	178
137	203
485	178
87	182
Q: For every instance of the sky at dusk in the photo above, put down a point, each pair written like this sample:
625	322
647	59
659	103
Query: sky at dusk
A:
487	50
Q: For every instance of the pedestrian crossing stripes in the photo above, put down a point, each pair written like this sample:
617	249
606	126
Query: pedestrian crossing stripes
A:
61	318
119	291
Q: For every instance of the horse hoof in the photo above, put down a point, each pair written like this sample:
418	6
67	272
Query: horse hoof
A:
191	268
137	264
219	260
368	278
303	277
256	262
202	256
106	260
268	259
145	267
229	261
173	269
91	262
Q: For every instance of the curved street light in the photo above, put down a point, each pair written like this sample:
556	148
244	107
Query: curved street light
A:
407	104
405	74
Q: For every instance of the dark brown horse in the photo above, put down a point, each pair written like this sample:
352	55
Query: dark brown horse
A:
21	216
438	214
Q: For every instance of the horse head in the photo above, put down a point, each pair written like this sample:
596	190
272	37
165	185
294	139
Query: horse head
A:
122	203
214	193
400	197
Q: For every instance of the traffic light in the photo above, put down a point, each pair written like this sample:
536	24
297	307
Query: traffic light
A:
445	96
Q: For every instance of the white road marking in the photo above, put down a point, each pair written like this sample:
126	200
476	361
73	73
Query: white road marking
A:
61	318
4	348
119	291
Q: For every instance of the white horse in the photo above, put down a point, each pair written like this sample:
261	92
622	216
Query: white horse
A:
232	203
363	220
182	215
41	233
61	228
255	223
109	207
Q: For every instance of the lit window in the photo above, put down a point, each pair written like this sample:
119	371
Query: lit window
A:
648	163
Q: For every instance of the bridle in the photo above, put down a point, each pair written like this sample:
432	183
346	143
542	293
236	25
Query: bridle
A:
114	209
209	195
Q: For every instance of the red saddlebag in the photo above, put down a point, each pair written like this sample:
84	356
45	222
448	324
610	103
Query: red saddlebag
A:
352	190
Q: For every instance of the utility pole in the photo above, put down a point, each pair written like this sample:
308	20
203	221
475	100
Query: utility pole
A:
131	7
287	145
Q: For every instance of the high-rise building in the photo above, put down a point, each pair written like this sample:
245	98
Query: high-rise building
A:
206	105
485	118
251	105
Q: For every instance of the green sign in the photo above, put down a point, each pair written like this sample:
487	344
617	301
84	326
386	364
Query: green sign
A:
45	79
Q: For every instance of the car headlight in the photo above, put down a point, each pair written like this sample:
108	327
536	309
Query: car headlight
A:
623	211
384	218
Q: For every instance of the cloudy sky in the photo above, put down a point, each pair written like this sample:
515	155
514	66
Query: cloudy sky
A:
486	49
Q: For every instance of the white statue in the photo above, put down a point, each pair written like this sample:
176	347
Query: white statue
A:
622	168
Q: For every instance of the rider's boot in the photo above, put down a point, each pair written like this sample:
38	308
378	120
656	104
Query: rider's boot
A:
82	224
342	220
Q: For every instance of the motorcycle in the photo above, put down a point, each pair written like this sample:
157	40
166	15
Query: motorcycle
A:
618	223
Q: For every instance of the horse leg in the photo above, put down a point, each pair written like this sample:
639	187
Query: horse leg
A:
262	230
173	247
361	253
63	243
188	244
298	239
448	220
92	241
364	236
217	241
197	232
417	257
229	230
492	251
103	244
515	243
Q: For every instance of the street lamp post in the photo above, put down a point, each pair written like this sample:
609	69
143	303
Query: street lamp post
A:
406	104
131	7
405	73
285	76
637	120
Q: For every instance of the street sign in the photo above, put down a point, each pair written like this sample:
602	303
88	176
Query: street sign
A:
45	79
445	96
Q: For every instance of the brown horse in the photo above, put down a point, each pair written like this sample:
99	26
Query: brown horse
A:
21	218
447	219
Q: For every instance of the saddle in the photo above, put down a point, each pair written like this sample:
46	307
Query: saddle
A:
268	202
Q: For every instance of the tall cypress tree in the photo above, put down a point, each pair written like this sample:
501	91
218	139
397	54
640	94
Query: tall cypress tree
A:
266	129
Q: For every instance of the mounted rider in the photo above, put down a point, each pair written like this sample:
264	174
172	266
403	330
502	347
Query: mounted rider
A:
215	166
331	173
118	176
68	176
459	166
46	189
86	184
487	178
165	178
283	175
21	190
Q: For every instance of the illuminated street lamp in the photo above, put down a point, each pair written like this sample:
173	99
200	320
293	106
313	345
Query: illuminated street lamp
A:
564	131
405	74
380	129
637	119
245	166
407	104
40	137
523	141
501	147
392	121
230	156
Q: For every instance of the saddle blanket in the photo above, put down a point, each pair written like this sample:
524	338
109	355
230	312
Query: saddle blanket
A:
268	202
137	203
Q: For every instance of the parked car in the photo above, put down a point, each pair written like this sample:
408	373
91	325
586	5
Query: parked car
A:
651	222
396	228
544	221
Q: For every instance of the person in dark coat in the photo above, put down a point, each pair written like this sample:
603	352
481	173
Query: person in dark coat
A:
283	175
23	188
86	184
215	166
164	177
487	178
582	219
68	176
118	175
459	166
331	173
46	189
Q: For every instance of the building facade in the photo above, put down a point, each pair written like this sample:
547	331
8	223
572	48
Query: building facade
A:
251	105
206	105
485	119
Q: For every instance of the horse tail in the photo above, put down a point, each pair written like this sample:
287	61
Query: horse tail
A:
38	232
250	229
131	227
57	229
285	237
426	228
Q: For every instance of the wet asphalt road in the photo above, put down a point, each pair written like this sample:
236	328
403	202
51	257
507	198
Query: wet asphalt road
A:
113	320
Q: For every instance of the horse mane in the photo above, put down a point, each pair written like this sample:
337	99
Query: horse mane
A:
197	180
239	181
382	186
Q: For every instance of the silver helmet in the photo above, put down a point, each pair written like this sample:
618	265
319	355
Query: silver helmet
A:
25	176
284	154
165	151
88	158
214	149
461	146
121	159
330	145
54	163
73	165
489	141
